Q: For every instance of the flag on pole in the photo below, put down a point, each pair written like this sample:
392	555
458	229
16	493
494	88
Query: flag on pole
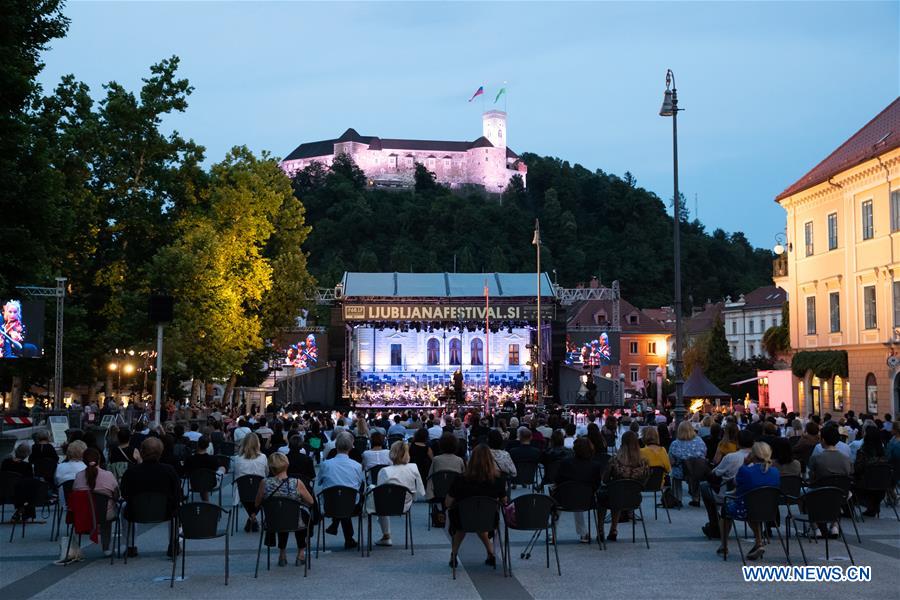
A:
500	93
477	93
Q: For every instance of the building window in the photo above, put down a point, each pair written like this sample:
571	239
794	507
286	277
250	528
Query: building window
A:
871	393
733	351
752	326
868	227
433	352
513	354
834	310
762	325
396	355
734	327
633	374
871	322
446	163
651	373
430	162
600	318
895	211
455	351
810	315
752	351
477	350
832	231
632	347
897	304
808	233
651	348
632	319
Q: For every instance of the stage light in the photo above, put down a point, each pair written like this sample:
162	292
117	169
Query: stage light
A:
113	366
128	368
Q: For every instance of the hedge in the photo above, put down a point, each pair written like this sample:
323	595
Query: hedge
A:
824	364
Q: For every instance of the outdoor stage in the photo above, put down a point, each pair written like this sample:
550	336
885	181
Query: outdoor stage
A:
407	334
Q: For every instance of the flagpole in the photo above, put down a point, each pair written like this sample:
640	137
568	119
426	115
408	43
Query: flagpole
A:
487	349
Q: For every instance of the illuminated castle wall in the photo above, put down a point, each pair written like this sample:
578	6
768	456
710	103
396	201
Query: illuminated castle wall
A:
388	162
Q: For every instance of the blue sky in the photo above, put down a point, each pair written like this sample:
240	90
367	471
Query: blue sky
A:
769	88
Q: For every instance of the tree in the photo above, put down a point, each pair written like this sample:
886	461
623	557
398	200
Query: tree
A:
719	365
777	340
425	180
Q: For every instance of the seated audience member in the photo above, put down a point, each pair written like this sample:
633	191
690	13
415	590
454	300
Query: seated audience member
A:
280	484
377	454
871	452
447	460
687	445
399	472
654	454
481	478
99	481
720	480
249	461
758	472
582	468
501	456
341	471
525	451
299	464
626	464
152	476
420	452
18	463
830	461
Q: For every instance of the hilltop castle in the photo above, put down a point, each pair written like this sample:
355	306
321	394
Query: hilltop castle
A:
486	162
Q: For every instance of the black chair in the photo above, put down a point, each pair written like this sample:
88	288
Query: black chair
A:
45	468
844	483
762	506
478	514
395	437
654	484
283	515
62	493
526	474
818	505
224	461
695	470
202	481
8	482
372	474
247	487
533	512
147	508
390	501
791	488
440	485
621	495
575	496
877	477
550	471
226	448
36	493
338	502
360	444
200	521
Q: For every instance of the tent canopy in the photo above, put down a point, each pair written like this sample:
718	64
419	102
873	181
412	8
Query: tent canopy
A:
699	386
445	285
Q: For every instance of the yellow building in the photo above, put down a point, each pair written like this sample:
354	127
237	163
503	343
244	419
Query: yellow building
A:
841	269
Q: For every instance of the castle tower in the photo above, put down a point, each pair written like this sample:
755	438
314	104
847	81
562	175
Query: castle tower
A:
493	124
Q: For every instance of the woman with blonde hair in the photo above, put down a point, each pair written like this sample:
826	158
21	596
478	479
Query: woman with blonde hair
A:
652	452
687	445
729	442
283	486
249	461
756	473
399	472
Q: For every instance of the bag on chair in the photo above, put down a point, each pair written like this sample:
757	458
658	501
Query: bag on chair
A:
668	499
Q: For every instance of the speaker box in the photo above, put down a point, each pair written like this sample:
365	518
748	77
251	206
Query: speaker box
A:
557	339
337	342
161	308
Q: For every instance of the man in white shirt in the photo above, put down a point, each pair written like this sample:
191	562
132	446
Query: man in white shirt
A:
240	432
435	431
193	435
841	447
263	430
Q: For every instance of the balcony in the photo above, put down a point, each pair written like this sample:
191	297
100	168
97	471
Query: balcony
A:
780	267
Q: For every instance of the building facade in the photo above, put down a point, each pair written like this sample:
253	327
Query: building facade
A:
387	162
841	270
747	318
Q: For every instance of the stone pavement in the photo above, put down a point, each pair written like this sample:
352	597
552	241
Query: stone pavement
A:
679	564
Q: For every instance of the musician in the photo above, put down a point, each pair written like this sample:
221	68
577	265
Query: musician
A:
13	332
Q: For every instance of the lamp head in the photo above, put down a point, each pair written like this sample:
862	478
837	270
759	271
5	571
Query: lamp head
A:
778	249
668	108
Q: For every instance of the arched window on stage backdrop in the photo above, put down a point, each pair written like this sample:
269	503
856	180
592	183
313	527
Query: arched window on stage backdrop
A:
871	393
477	348
455	351
434	352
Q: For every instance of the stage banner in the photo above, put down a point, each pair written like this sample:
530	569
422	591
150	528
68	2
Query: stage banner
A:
434	312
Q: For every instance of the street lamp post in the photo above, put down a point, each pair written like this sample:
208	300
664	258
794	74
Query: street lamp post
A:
670	109
538	383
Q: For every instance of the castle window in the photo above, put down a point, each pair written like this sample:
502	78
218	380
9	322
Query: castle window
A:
446	163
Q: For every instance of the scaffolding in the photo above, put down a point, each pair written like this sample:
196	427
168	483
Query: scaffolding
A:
58	292
569	296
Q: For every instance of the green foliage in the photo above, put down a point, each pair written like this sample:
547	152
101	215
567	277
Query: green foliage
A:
592	223
824	364
719	365
777	340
